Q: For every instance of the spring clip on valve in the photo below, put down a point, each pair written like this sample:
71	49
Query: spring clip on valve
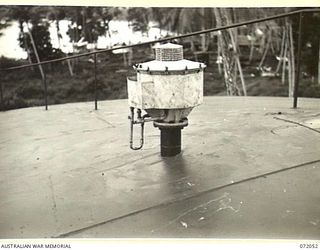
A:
140	121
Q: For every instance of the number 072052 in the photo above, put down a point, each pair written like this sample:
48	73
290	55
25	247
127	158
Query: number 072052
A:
310	246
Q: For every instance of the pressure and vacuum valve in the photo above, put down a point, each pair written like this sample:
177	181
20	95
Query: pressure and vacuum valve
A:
167	89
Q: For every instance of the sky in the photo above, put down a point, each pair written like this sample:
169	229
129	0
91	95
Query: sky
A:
120	33
9	45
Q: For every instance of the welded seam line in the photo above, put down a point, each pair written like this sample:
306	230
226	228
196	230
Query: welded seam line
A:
297	123
185	198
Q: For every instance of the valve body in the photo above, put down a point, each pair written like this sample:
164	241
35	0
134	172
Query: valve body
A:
167	89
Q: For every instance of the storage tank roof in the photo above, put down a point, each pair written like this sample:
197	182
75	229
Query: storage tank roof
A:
81	178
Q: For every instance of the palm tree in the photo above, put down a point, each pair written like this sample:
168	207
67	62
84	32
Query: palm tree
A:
56	14
229	51
25	15
4	18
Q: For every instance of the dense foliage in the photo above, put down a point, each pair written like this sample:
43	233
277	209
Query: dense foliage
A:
88	23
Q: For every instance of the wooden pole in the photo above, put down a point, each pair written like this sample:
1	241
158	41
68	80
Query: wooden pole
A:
292	59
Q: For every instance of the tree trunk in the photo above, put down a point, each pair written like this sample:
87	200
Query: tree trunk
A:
265	51
281	51
233	38
203	26
125	63
130	57
230	57
1	96
251	49
70	68
25	42
290	86
271	43
35	52
284	61
319	65
244	89
225	59
58	33
59	44
193	47
84	27
219	55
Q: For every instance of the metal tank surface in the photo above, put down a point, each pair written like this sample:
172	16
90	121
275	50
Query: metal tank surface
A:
167	89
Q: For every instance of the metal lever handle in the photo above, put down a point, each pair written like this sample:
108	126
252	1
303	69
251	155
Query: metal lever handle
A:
132	122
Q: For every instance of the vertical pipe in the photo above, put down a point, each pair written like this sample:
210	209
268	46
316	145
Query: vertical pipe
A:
170	141
296	85
44	79
95	82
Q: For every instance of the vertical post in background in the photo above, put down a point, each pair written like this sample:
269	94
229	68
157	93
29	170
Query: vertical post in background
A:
95	82
1	96
44	80
296	83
